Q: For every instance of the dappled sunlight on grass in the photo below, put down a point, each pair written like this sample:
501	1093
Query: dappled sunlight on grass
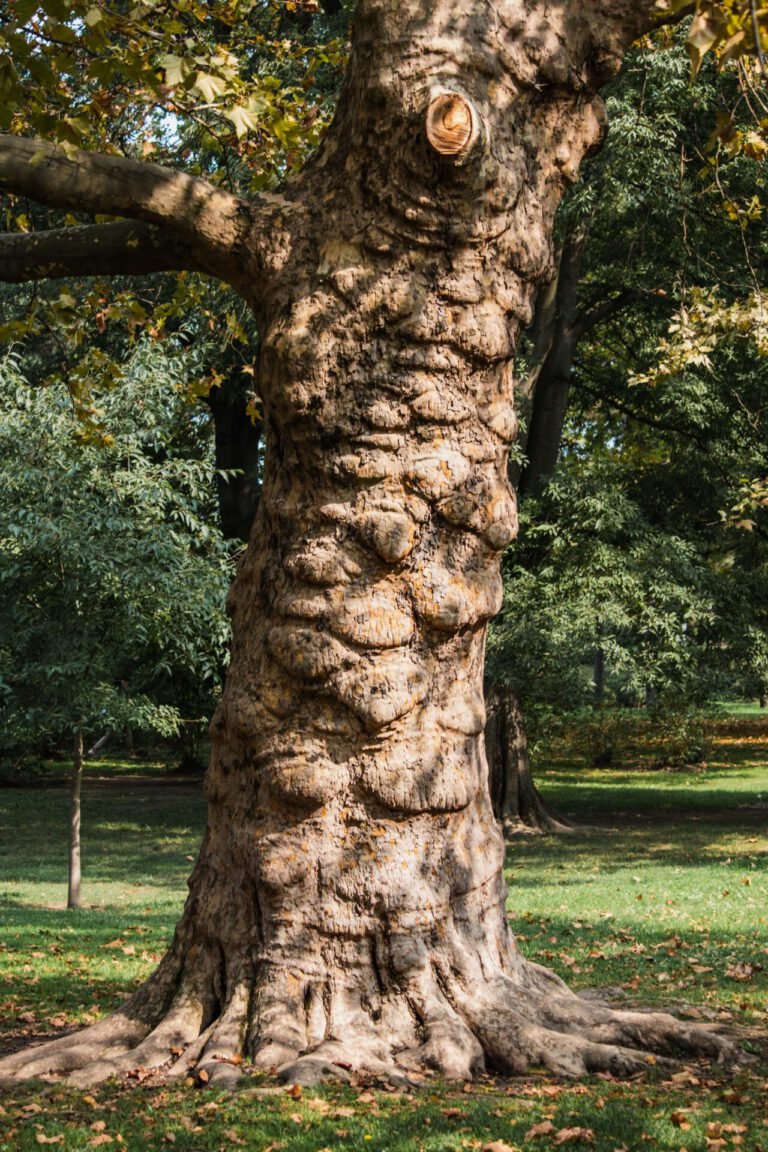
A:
663	900
662	891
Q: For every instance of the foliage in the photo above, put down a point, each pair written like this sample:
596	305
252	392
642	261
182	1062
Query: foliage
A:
593	577
219	83
730	28
637	551
112	577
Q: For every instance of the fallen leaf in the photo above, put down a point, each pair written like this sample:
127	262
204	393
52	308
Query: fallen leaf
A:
568	1135
685	1077
98	1126
546	1128
498	1146
317	1104
680	1120
740	971
99	1140
41	1138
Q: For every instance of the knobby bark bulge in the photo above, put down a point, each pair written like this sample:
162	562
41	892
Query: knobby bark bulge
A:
347	910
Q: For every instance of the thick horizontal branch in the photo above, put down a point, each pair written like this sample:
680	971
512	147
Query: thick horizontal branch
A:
125	248
214	222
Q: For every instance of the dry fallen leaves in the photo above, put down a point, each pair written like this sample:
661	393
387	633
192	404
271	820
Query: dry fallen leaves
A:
568	1135
680	1120
546	1128
741	971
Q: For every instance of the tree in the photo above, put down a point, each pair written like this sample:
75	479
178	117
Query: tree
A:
113	584
618	576
348	905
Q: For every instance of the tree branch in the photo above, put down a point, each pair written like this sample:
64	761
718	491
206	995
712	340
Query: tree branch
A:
126	248
587	321
214	222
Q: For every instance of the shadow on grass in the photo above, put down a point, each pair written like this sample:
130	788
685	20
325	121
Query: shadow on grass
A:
141	832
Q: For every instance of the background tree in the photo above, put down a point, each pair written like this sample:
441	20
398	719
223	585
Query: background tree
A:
112	579
653	430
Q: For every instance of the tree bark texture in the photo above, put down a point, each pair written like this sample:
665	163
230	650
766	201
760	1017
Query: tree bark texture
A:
348	908
517	802
73	888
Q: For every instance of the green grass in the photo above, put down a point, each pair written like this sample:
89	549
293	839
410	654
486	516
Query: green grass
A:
744	708
138	842
664	898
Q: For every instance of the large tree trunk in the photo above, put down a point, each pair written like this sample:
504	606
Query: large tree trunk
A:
348	908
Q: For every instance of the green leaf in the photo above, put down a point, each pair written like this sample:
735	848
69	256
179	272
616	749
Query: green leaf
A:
243	119
208	85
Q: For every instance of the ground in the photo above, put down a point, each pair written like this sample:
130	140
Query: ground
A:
665	903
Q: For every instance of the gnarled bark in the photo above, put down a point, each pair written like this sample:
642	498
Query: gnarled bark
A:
348	906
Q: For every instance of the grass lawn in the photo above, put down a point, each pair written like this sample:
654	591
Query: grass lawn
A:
664	899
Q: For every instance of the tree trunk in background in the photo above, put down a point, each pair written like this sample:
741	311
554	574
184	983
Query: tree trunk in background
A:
73	890
348	908
238	448
517	802
550	382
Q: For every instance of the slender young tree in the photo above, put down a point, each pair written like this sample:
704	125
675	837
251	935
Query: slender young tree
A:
348	908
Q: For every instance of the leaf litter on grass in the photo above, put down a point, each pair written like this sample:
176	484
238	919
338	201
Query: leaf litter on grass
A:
575	906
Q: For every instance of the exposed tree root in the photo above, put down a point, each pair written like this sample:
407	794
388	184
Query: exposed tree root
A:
433	1020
